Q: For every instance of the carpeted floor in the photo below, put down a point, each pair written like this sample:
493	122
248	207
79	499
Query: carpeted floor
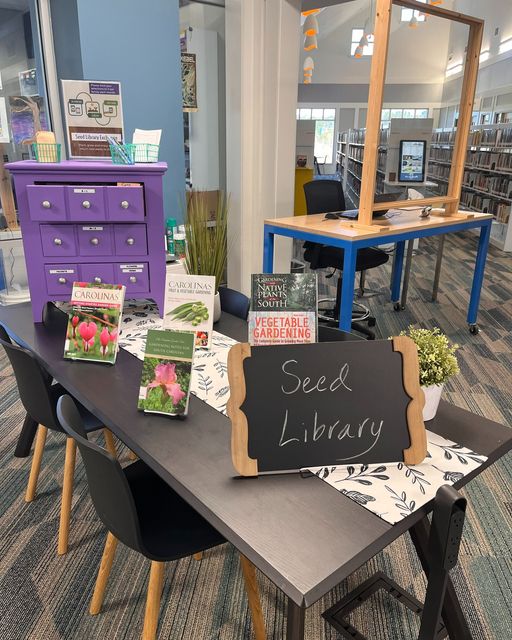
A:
45	597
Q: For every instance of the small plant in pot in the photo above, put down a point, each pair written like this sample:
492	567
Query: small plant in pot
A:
206	239
437	361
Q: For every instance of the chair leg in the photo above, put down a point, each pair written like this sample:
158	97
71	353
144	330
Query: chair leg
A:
198	556
67	495
42	432
251	586
132	455
103	574
109	442
362	278
156	579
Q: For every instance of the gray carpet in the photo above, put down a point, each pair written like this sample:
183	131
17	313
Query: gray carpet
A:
45	597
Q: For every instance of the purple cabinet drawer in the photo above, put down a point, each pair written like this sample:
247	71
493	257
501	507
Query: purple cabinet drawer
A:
60	278
46	202
130	239
86	204
134	276
58	240
94	240
125	204
98	273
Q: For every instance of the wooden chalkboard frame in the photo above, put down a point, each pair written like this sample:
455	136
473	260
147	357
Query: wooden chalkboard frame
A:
247	466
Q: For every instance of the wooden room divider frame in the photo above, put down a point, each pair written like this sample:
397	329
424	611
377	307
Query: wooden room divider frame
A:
375	99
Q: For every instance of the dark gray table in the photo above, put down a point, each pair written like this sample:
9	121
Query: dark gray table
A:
305	536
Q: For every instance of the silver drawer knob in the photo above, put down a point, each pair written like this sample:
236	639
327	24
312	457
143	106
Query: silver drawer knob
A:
46	204
86	204
62	280
133	279
125	204
130	241
57	241
97	280
95	241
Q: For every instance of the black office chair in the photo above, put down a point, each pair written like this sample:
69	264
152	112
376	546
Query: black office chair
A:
234	302
323	196
39	398
144	513
328	333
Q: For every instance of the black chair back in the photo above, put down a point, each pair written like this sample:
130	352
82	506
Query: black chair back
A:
108	486
234	302
323	196
34	383
332	334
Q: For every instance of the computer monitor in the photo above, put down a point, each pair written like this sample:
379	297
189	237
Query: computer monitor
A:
411	164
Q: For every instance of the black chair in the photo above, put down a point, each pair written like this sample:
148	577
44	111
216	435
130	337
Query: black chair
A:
323	196
328	333
234	302
142	511
39	398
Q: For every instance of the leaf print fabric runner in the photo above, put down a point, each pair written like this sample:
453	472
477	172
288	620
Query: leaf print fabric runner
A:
210	371
394	491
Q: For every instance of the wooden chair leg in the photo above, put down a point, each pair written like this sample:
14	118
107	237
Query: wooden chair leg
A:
103	574
109	442
198	556
156	579
67	495
42	432
251	586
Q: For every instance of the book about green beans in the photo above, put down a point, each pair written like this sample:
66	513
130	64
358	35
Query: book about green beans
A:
166	372
188	306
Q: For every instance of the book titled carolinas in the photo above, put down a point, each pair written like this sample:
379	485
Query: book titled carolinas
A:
166	371
93	323
283	308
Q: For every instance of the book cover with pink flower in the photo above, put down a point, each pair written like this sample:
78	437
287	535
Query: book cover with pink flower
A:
166	372
93	323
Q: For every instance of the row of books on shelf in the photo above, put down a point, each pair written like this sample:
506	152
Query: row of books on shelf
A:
491	160
357	153
283	310
492	136
485	204
355	168
354	185
497	185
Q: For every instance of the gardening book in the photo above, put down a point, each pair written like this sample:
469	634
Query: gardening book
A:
189	306
283	308
166	371
93	324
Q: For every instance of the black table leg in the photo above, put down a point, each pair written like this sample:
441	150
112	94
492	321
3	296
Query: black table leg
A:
452	614
295	621
26	437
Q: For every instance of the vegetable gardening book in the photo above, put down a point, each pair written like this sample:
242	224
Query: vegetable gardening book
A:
283	308
189	306
166	371
93	324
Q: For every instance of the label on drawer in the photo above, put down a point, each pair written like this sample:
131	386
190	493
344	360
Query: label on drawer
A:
92	228
62	271
84	190
132	268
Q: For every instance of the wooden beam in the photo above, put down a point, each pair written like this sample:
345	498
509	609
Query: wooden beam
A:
467	100
424	202
434	10
375	98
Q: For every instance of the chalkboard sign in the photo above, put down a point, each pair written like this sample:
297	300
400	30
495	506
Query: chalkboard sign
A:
295	406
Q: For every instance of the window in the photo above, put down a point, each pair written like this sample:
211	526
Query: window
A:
304	114
387	114
407	14
357	34
316	114
324	141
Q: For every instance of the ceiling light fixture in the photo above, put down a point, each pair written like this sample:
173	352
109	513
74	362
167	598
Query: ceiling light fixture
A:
309	63
310	12
310	26
358	53
413	23
434	3
310	43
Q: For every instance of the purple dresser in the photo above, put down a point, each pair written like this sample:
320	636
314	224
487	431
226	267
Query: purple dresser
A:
80	222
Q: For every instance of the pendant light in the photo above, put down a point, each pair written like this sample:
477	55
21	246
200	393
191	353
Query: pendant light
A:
309	64
358	53
310	43
413	23
310	12
434	3
310	26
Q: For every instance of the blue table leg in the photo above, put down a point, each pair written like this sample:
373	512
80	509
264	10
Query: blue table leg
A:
397	272
347	287
478	276
268	251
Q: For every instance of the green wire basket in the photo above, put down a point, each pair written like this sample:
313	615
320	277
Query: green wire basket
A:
131	153
146	152
44	152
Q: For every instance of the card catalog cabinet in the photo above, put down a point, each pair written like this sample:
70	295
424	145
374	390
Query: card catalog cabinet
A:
91	221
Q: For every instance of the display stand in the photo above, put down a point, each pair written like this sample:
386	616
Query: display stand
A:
6	196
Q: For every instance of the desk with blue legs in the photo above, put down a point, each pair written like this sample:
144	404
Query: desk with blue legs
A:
346	235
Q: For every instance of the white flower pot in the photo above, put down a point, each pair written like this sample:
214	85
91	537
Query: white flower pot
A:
216	308
432	398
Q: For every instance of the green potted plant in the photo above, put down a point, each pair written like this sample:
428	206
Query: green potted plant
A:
206	239
437	361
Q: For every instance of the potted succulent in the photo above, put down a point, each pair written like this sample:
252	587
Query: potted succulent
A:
206	239
437	361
